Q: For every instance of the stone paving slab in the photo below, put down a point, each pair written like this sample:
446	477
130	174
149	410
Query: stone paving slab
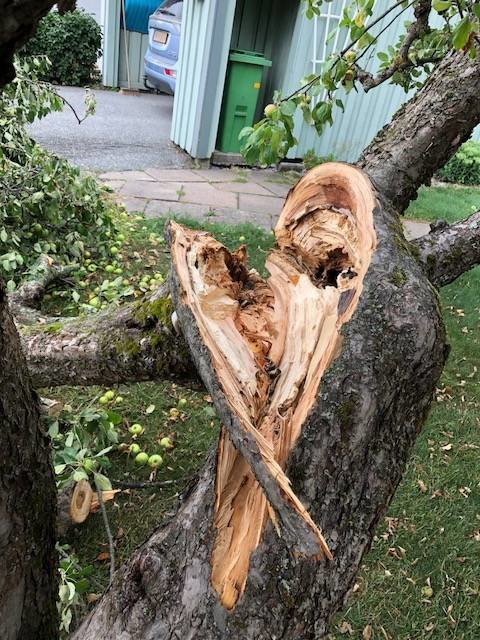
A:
275	188
216	174
243	187
230	196
125	175
204	193
162	209
152	190
176	175
116	185
134	205
260	204
415	229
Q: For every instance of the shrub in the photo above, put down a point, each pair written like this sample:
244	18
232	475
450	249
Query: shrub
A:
464	167
72	42
46	205
311	159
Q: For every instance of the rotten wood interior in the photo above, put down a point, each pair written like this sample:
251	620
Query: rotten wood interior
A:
269	342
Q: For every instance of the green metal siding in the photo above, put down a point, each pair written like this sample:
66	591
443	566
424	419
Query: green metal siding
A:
137	44
364	113
111	35
204	47
251	26
287	39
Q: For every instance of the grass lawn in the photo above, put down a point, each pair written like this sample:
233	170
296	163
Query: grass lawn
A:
421	579
448	203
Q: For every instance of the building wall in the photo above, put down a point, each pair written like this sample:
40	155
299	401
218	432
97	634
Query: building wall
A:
365	113
205	42
94	7
136	44
287	38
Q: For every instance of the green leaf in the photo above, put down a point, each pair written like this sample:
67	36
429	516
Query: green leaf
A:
79	475
102	481
53	429
82	585
441	5
288	108
365	40
462	33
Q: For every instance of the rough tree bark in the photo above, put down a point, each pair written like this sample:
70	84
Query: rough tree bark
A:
18	21
356	439
64	6
28	563
28	568
130	343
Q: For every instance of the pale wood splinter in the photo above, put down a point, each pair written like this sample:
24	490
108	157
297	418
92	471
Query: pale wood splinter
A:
262	347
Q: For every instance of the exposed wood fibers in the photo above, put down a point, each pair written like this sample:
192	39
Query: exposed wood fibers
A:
270	341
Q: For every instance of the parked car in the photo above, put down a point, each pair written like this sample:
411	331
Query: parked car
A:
163	45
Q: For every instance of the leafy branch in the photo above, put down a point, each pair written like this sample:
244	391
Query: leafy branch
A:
406	64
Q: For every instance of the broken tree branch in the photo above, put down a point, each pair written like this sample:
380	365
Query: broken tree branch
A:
24	302
346	403
261	348
133	342
449	250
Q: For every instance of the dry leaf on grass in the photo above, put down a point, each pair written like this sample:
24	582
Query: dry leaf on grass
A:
422	486
367	632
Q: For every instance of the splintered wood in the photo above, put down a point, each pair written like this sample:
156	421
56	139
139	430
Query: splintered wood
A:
262	346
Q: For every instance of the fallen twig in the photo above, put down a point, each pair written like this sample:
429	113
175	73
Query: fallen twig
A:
107	529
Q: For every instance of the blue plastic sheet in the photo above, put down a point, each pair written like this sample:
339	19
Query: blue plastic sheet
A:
137	13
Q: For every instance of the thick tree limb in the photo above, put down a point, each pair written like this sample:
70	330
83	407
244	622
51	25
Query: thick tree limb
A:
18	21
450	250
426	131
130	343
25	301
261	348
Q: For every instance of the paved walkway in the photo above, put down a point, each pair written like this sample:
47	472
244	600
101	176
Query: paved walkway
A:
215	195
218	195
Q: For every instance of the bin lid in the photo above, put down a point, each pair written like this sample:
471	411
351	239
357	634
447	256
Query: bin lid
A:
249	57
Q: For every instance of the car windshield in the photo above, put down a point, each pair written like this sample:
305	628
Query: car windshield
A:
172	8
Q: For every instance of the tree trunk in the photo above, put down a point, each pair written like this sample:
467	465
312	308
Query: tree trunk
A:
28	584
354	444
357	435
28	568
64	6
426	131
18	22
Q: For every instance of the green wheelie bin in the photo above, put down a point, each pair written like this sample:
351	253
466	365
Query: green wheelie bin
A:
242	88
